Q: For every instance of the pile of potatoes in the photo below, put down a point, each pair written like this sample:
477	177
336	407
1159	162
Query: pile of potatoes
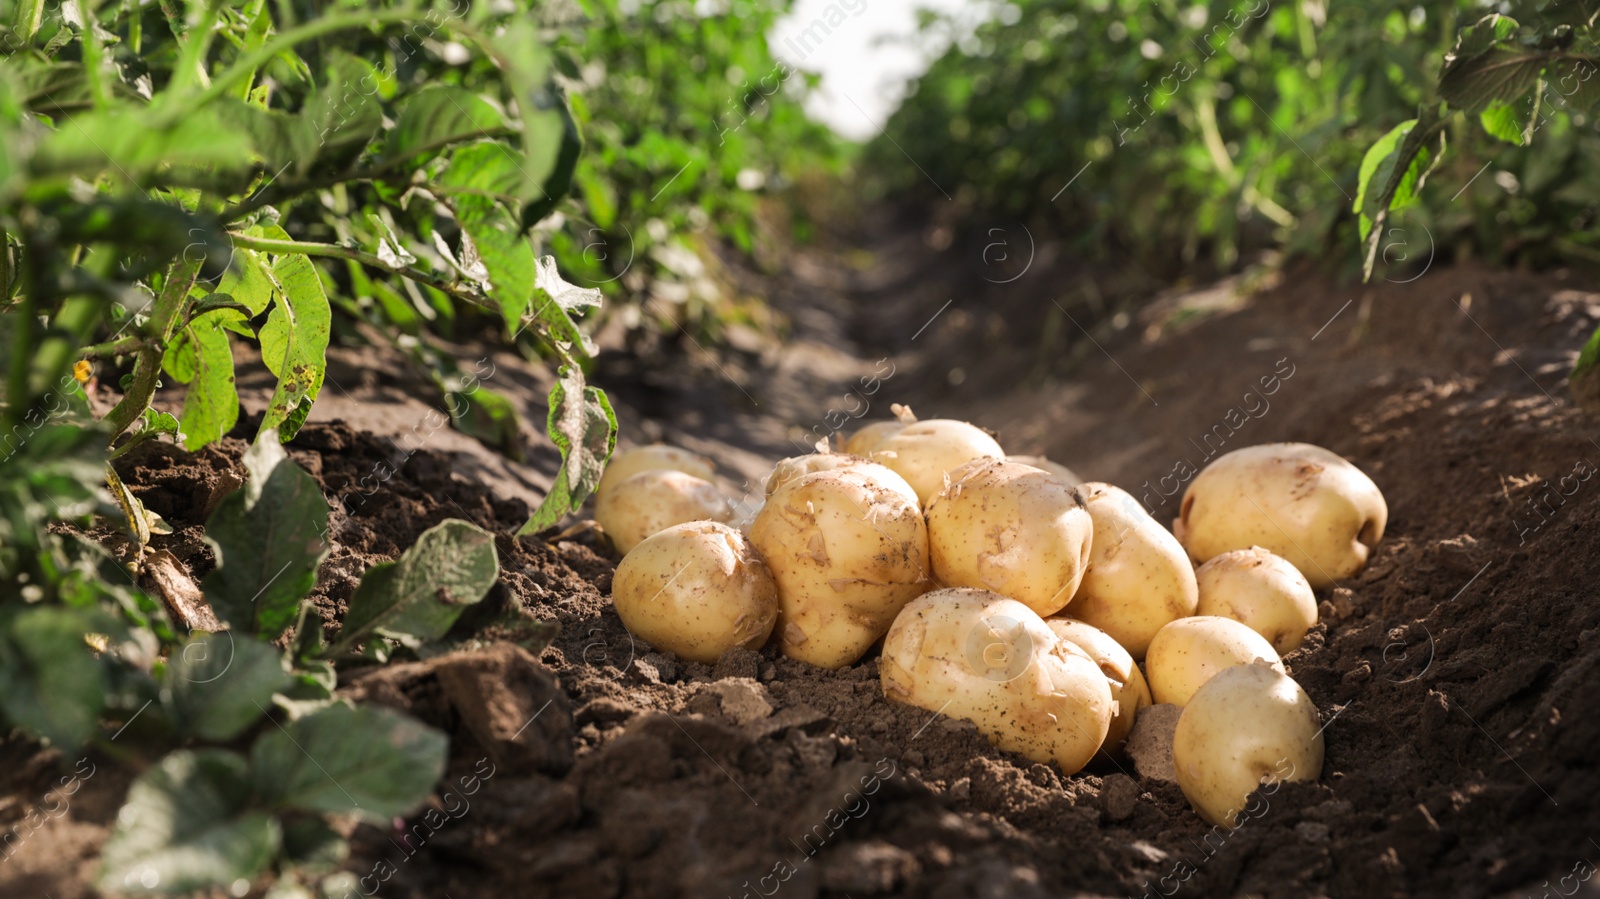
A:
1005	592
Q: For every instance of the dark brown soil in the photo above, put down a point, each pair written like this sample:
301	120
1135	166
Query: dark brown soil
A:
1457	672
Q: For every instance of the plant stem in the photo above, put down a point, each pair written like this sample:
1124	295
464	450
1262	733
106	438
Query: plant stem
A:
147	365
191	67
91	57
121	347
18	397
246	65
29	16
333	251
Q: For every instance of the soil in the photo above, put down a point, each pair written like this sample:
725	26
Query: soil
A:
1455	673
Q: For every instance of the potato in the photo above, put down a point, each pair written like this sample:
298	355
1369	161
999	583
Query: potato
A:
624	464
1128	689
1139	579
923	452
654	500
1262	590
1013	529
697	589
1188	652
1299	501
1055	468
1250	726
867	440
789	469
847	553
977	655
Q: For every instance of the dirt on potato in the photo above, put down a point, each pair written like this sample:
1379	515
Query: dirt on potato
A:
1455	674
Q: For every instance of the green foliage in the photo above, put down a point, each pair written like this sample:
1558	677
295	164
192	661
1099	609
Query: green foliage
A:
417	597
268	540
1207	131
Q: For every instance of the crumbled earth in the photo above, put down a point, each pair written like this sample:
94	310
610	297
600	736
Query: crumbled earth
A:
1455	673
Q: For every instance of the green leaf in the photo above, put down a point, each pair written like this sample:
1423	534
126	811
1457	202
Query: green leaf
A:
202	357
417	597
1393	172
248	281
554	302
491	173
584	428
368	761
1574	84
125	143
1487	66
310	846
268	540
187	826
1585	379
216	685
440	115
294	342
559	183
341	117
524	56
49	682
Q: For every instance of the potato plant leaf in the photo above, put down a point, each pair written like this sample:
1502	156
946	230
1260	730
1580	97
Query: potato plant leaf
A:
268	539
417	597
440	115
217	685
342	116
1488	67
201	357
49	682
1585	378
584	428
370	762
248	281
294	341
1393	171
187	825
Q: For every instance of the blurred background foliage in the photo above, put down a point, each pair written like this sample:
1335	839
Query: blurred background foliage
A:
1202	133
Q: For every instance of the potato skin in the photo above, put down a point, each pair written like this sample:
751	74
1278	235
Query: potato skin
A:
977	655
1055	468
624	464
925	451
796	466
654	500
1262	590
697	589
867	440
1190	651
1250	726
1129	691
1139	579
1299	501
1013	529
847	553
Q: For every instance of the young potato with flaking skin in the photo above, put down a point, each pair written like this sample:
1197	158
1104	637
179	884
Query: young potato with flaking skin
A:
867	440
654	500
924	452
1249	727
624	464
1262	590
977	655
1013	529
847	553
1055	468
795	466
1302	502
696	589
1190	651
1128	689
1139	578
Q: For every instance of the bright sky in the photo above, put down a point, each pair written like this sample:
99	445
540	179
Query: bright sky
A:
861	51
